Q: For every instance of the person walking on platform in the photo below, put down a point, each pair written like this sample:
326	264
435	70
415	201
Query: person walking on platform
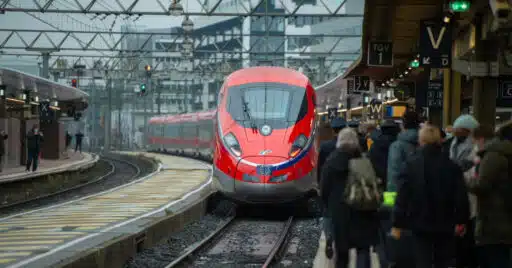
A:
345	169
431	202
378	154
3	137
34	140
326	148
78	141
461	152
492	185
397	253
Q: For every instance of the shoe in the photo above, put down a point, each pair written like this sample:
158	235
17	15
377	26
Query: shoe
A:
328	249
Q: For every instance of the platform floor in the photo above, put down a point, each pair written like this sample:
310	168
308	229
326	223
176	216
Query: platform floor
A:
46	166
44	237
321	261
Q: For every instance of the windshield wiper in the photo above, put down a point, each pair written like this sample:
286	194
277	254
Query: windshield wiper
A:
248	114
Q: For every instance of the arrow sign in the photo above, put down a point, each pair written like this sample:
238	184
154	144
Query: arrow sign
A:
333	113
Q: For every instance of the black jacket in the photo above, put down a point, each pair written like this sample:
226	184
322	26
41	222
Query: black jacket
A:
433	197
379	151
326	148
352	228
34	141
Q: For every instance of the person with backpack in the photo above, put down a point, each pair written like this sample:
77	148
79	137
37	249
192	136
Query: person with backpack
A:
326	148
492	185
431	202
352	193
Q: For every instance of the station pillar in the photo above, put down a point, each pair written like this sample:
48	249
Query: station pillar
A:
46	65
451	96
484	88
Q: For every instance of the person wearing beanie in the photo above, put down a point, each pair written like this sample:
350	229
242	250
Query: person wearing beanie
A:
326	148
461	152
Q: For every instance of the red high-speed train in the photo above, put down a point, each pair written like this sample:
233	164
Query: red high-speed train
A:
262	137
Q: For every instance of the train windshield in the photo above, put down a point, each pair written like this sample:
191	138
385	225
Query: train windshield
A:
267	103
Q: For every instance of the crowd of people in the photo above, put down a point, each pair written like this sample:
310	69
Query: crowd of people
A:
418	195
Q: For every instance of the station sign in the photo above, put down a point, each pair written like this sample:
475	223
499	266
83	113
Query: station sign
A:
435	94
332	113
351	87
435	44
380	53
45	113
361	83
506	89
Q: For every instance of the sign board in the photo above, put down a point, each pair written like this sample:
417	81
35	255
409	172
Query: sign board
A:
435	44
380	53
435	94
506	89
375	109
45	113
332	112
350	86
361	83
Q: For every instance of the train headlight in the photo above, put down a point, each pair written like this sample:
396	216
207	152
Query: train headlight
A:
232	144
298	145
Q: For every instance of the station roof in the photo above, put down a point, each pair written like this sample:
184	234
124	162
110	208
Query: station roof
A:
404	22
16	80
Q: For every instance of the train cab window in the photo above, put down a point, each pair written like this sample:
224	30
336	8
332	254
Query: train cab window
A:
276	104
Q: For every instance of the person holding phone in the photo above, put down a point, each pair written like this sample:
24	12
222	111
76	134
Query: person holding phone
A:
34	140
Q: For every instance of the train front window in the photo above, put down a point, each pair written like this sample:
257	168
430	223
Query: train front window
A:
267	103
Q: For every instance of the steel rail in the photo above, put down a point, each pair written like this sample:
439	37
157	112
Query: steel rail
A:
111	172
220	230
278	246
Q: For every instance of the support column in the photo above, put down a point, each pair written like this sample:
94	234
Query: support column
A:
447	97
108	116
484	88
46	65
455	96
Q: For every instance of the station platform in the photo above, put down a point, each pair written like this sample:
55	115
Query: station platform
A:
75	161
60	235
321	261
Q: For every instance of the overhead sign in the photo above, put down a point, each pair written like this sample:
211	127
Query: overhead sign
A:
45	113
435	94
361	83
380	53
506	89
332	112
435	44
375	109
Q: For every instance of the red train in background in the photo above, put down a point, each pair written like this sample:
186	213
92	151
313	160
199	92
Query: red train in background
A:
262	139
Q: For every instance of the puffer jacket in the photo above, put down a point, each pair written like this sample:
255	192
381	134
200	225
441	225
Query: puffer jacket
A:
399	152
493	187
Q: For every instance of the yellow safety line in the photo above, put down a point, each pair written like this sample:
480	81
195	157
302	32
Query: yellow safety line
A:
4	261
24	248
33	237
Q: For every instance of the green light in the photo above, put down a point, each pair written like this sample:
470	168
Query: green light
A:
415	64
460	5
142	86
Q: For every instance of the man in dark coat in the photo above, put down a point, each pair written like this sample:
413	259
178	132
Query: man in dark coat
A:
34	140
379	151
432	202
3	137
78	141
326	148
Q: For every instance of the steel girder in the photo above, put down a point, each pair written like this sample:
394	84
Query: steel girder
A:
157	7
56	41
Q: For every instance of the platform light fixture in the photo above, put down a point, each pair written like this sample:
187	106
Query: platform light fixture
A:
415	63
3	88
187	24
460	5
176	9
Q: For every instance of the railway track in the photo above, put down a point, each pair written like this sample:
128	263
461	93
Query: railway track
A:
260	243
121	171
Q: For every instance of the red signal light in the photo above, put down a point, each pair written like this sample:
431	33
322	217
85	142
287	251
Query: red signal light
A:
73	83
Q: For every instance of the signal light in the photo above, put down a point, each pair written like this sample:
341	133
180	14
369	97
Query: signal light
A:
415	63
459	5
74	83
143	89
147	68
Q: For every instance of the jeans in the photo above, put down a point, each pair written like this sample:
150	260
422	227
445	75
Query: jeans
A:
32	159
363	258
433	250
494	256
78	146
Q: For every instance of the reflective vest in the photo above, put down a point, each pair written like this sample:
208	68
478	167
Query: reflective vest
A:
389	199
